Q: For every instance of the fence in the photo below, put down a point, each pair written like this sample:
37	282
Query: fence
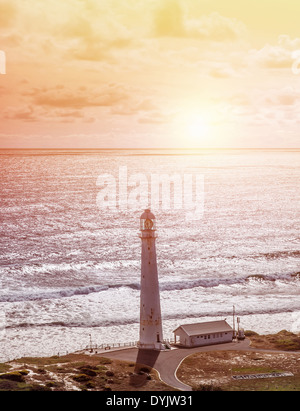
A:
94	347
104	346
107	346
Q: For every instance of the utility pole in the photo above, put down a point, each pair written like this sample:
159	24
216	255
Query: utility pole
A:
233	320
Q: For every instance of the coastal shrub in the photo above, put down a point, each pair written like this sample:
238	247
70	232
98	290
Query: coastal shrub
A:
91	373
81	378
38	387
88	370
52	384
107	388
13	376
249	333
288	345
103	361
7	385
287	340
90	384
101	368
207	387
81	366
24	372
109	373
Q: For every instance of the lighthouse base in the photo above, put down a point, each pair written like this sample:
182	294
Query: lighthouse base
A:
158	346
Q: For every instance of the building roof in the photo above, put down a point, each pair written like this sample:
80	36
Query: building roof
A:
205	327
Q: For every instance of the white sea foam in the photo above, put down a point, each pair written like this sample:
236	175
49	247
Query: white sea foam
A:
68	270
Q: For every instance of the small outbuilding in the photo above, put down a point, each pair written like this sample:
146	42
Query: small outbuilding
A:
206	333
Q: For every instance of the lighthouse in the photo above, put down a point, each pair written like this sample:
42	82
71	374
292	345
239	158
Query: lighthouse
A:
151	336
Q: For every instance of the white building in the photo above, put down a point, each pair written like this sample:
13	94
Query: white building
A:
151	335
206	333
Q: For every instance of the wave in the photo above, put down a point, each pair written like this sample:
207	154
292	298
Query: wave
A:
113	322
279	254
268	255
46	295
257	279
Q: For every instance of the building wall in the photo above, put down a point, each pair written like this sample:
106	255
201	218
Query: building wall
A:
182	338
202	340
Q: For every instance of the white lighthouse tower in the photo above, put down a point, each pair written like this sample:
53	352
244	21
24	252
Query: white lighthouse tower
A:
151	336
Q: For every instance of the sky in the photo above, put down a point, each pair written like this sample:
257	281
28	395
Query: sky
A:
150	73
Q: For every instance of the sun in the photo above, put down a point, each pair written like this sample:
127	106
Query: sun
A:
193	126
196	127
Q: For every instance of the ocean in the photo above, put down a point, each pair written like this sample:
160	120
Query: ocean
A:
70	268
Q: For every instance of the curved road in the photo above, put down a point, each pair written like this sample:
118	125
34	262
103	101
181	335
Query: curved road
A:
167	362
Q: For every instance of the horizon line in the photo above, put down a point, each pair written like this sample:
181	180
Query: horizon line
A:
149	148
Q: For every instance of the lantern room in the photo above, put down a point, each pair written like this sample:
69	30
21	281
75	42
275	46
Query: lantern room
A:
147	221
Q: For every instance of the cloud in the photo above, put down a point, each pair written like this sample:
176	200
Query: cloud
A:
222	71
92	34
32	113
287	96
216	27
8	13
63	97
25	113
278	56
156	117
134	107
272	57
77	27
91	50
172	21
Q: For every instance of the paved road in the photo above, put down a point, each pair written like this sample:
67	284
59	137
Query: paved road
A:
167	362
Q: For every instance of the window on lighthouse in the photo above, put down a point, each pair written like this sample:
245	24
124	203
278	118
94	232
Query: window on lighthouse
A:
147	224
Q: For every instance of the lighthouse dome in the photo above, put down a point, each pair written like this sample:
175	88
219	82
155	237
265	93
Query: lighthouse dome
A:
147	214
